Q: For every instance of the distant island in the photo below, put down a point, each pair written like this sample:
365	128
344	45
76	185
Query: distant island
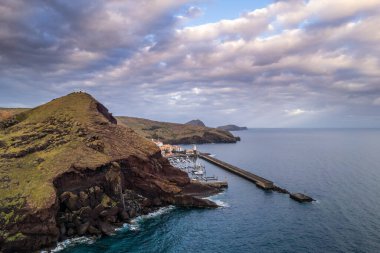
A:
68	169
232	128
196	122
174	133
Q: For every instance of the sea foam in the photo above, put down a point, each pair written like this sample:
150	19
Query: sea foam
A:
71	242
132	226
154	214
216	199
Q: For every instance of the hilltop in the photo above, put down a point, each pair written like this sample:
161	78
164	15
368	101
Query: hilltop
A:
174	133
68	169
192	132
196	122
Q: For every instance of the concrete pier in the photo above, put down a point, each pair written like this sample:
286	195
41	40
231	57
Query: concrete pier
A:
259	181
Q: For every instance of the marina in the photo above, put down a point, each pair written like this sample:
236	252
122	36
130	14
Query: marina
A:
189	161
260	182
191	164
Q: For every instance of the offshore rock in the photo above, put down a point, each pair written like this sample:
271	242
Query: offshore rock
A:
300	197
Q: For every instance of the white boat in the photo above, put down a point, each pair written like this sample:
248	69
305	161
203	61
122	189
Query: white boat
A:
198	169
198	172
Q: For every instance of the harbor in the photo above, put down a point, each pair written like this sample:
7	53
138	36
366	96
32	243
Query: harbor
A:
196	170
189	161
259	181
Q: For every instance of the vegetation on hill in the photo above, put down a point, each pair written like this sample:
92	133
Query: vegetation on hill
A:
6	113
196	122
67	168
174	133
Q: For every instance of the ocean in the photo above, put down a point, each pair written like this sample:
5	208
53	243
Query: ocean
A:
340	168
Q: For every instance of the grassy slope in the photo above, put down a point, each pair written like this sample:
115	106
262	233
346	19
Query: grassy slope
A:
169	131
6	113
52	138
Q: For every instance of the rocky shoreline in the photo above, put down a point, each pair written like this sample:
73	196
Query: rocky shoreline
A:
91	177
95	203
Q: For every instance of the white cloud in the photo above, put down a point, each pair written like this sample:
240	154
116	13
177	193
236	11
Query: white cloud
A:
322	54
347	86
196	90
295	112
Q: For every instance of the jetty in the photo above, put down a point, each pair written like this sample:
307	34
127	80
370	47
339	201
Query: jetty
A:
260	182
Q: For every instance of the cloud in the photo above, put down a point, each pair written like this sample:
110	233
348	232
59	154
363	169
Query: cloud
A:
295	112
376	101
193	12
317	54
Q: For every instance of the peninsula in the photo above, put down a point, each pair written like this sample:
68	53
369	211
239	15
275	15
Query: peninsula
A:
67	169
232	128
174	133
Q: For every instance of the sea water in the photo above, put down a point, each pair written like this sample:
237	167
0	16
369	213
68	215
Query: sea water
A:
340	168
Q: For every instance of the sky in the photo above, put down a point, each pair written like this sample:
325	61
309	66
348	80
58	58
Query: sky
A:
293	63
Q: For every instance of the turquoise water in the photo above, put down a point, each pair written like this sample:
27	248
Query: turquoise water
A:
339	168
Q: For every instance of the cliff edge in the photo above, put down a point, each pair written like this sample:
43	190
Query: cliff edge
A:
68	169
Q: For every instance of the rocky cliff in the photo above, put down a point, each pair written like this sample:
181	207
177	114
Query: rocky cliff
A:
67	169
174	133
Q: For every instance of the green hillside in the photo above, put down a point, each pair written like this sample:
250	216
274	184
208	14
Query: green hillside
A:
174	133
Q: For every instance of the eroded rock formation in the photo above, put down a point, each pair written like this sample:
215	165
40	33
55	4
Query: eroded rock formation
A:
67	169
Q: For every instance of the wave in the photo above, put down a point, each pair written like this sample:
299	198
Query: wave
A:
218	201
132	226
221	203
154	214
72	242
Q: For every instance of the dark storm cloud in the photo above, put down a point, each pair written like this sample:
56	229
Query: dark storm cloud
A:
54	35
293	63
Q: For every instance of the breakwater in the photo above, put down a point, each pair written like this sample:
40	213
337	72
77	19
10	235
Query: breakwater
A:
259	181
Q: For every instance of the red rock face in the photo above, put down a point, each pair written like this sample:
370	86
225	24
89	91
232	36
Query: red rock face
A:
95	202
103	110
107	176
